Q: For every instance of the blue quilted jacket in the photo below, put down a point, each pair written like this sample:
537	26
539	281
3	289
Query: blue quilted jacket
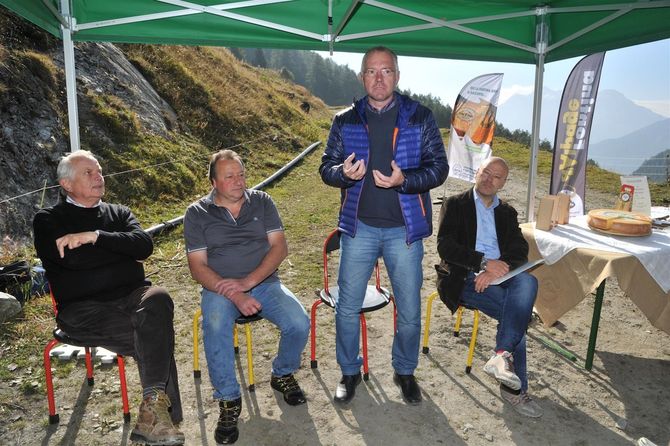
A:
418	151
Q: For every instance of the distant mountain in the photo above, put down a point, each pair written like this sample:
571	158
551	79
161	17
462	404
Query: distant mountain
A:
656	168
627	153
615	115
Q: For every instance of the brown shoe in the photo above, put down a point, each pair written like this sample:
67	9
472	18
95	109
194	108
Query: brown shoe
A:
154	426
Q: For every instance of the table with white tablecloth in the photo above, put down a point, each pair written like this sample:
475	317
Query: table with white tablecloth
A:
577	261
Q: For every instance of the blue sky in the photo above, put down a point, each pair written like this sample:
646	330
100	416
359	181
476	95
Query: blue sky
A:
641	73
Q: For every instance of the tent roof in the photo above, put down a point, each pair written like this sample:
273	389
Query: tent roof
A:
457	29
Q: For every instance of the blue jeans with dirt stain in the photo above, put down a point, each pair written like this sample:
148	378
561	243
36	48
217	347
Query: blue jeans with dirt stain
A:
511	304
279	306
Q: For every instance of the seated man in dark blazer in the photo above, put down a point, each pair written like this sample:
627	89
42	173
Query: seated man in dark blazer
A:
479	240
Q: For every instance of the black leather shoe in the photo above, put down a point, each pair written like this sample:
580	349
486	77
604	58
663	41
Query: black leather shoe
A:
411	392
346	389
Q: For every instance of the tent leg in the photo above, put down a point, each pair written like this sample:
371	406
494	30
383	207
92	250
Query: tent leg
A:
70	78
541	45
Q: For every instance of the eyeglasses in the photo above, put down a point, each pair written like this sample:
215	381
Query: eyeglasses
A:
486	174
371	72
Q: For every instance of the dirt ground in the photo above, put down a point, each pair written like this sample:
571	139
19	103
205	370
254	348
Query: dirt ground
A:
625	396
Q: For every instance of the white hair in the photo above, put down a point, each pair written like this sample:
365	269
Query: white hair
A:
66	169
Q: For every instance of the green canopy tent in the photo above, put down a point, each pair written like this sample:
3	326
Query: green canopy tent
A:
522	31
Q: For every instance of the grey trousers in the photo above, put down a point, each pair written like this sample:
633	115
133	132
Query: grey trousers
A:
139	325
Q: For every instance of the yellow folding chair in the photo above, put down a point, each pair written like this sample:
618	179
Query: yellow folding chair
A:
242	320
457	328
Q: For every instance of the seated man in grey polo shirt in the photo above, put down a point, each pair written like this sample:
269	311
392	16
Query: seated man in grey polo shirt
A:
235	243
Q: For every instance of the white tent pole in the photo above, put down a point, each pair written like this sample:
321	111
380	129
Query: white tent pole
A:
541	38
70	76
535	138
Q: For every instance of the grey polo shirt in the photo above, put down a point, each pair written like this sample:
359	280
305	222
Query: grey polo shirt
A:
235	247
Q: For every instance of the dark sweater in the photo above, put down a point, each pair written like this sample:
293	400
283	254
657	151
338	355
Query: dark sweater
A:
380	207
109	269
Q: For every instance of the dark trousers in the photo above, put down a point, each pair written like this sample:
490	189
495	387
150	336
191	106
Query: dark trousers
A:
138	325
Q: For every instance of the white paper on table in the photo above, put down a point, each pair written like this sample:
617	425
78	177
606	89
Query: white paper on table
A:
641	196
515	271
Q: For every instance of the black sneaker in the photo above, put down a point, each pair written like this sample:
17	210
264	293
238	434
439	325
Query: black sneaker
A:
289	387
411	392
226	428
346	389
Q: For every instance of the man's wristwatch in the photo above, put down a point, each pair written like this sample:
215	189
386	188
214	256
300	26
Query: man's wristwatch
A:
482	266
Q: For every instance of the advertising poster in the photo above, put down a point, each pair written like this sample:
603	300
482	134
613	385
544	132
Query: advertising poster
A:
573	129
473	122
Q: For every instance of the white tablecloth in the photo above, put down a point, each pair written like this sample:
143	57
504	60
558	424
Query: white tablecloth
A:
652	251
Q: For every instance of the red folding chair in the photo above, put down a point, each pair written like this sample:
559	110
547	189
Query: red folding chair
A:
60	337
376	297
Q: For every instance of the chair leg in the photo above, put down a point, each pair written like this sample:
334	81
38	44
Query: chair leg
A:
364	338
473	342
51	400
236	341
426	329
53	416
312	328
457	325
124	388
196	358
250	361
89	367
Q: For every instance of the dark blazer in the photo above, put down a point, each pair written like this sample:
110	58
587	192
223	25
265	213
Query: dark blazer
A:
456	239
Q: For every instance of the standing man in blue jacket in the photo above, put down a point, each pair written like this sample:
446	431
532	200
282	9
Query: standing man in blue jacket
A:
385	153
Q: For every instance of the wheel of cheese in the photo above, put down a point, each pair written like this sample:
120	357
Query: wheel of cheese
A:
617	222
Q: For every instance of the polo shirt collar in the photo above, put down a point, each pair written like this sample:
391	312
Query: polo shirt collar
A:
209	198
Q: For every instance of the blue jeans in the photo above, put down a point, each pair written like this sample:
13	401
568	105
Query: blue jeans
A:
511	304
280	307
403	263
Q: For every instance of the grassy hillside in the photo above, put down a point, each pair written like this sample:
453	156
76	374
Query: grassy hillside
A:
156	152
220	103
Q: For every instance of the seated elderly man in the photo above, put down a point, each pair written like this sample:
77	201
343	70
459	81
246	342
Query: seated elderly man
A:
235	243
92	252
479	241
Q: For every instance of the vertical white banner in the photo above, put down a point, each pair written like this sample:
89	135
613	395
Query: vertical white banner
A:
472	126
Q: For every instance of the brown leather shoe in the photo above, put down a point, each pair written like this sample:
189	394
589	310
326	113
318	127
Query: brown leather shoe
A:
154	426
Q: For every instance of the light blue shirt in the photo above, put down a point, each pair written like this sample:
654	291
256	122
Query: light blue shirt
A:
487	239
